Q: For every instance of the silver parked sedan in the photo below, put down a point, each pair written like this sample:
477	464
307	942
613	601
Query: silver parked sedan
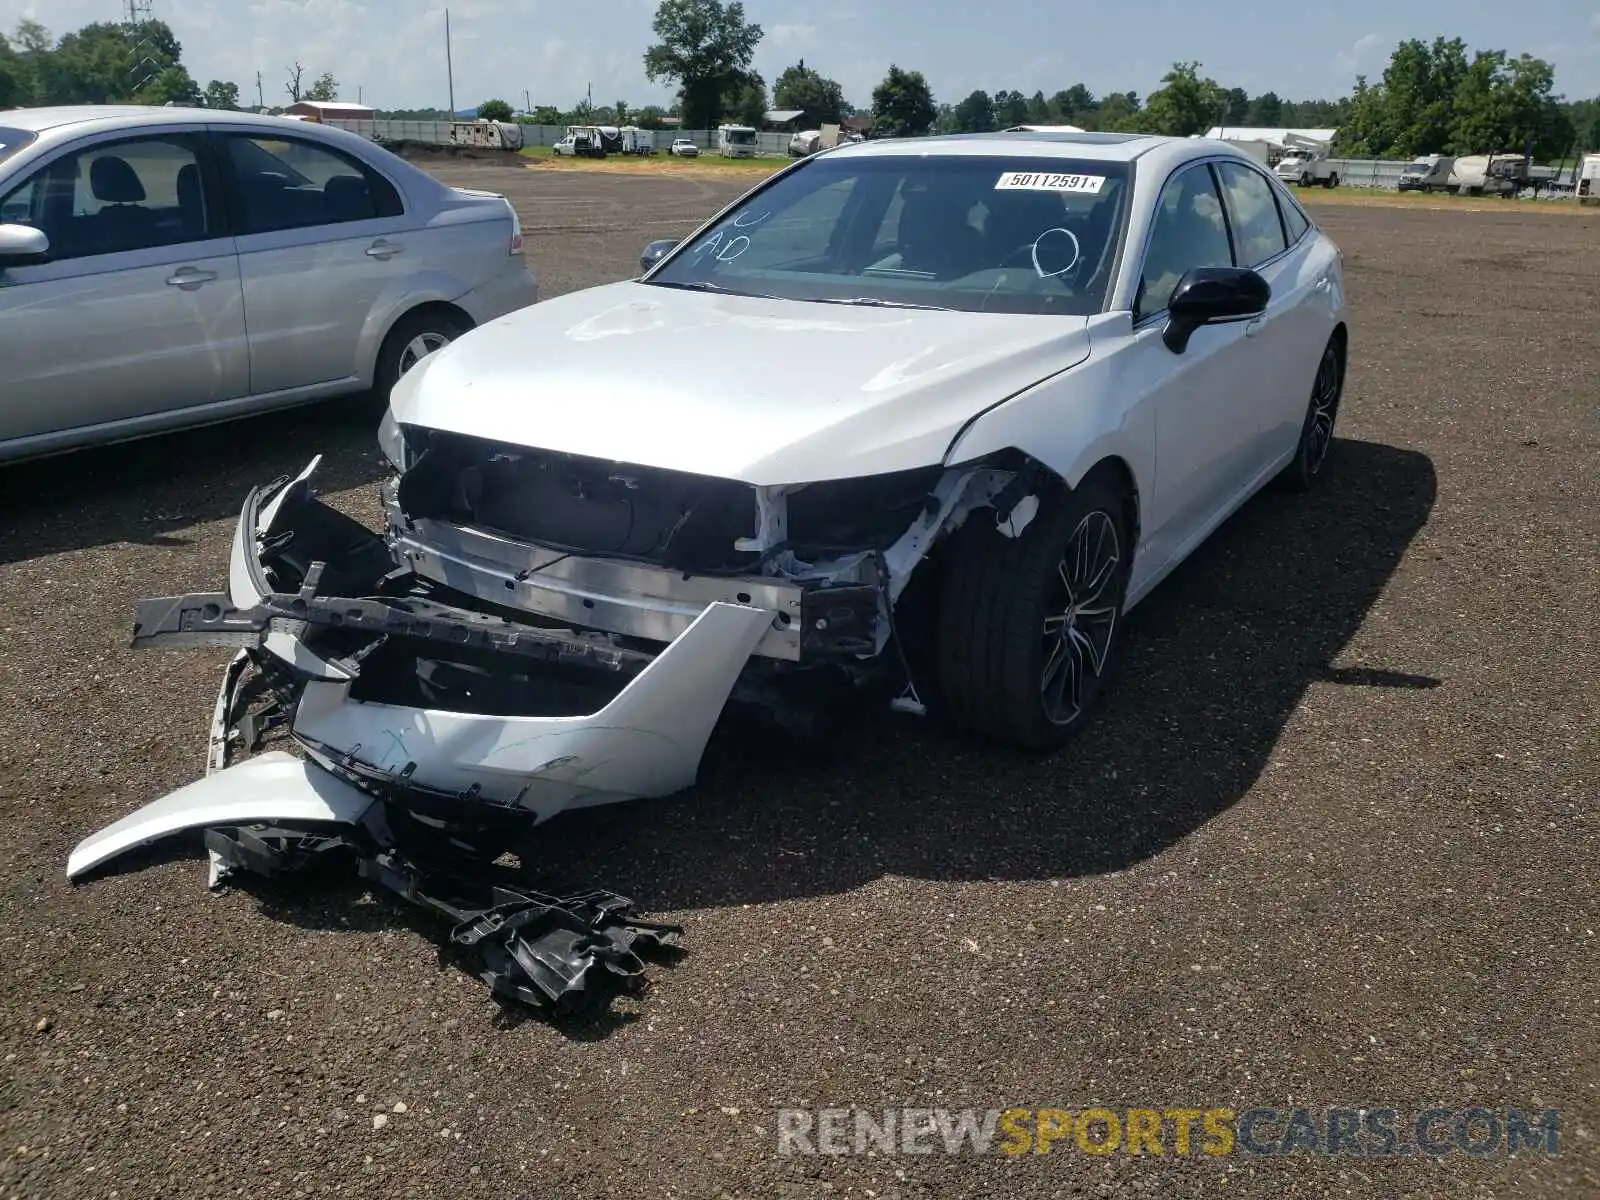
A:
168	267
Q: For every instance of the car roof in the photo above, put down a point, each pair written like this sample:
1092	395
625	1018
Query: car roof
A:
38	120
1086	146
1099	147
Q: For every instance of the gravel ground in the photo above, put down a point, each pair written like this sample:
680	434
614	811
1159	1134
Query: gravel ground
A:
1331	842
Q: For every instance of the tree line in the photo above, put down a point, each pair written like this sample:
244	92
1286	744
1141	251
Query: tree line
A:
117	63
1433	97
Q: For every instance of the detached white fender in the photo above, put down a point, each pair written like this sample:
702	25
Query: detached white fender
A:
270	788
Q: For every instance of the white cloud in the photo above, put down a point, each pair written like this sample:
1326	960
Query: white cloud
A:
788	37
1360	53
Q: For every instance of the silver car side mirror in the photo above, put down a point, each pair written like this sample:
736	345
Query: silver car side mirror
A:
21	244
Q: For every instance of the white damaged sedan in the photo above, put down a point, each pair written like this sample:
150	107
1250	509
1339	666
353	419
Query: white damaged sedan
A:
924	416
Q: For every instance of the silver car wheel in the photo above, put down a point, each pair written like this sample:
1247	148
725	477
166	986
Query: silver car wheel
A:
419	347
1083	616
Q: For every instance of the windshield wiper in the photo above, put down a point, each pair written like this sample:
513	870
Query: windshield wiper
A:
876	302
705	285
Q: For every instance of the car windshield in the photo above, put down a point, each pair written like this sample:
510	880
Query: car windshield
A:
12	140
972	233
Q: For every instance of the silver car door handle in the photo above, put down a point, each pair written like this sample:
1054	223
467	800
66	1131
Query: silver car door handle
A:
190	277
384	249
1324	284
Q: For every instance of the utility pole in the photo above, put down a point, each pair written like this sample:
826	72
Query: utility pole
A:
261	101
449	67
527	101
137	15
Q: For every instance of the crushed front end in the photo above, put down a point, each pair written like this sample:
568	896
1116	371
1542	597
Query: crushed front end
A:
531	632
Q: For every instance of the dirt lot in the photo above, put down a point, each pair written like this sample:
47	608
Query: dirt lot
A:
1331	843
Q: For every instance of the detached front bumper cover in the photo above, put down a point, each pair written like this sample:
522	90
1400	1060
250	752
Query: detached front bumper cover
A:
425	799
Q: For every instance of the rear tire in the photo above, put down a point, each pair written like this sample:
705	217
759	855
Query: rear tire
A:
1322	412
1030	627
414	336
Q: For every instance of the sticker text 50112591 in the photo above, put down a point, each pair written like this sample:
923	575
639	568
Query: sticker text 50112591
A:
1045	181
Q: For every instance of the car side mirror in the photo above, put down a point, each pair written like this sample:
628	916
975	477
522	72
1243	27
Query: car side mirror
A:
655	252
1213	296
20	244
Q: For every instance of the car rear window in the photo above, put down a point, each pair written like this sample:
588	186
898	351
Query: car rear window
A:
12	140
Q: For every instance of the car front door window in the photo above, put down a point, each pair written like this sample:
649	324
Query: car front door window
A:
117	197
1187	231
1257	226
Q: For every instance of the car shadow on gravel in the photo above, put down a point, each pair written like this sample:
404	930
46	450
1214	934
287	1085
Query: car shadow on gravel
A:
143	492
1217	659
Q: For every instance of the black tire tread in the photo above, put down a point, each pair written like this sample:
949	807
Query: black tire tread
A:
989	621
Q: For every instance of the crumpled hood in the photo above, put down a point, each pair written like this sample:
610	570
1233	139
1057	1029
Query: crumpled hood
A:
764	391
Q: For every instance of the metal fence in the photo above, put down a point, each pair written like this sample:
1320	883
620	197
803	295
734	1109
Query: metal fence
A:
1368	172
768	145
1385	173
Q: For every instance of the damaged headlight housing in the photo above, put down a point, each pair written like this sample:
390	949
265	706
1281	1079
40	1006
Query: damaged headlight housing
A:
861	512
391	440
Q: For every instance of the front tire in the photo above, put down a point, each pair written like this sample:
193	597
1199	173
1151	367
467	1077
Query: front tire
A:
1316	432
1030	627
413	338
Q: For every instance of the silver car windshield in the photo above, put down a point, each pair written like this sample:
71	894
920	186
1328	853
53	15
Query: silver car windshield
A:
962	232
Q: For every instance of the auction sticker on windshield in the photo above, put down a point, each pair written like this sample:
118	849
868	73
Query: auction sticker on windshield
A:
1043	181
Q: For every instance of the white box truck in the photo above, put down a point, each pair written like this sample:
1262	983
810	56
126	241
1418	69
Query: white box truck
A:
1588	189
1305	162
736	141
1427	173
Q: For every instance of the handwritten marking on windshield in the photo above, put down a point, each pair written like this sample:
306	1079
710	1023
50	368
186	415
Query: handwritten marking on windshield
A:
1077	252
735	246
724	252
1044	181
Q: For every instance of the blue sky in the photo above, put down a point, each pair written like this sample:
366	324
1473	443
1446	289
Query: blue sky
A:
554	49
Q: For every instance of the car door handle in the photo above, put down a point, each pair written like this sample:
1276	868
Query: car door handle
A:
383	248
1324	284
190	277
1253	327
